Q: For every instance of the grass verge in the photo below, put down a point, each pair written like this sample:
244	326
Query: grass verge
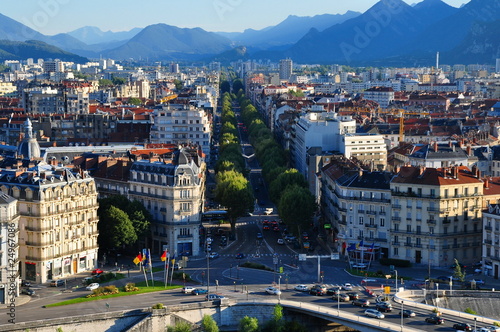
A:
159	286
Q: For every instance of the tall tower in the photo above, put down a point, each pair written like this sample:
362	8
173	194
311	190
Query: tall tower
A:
285	69
437	60
497	68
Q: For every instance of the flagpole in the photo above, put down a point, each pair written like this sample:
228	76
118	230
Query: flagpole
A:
151	268
173	263
166	268
144	271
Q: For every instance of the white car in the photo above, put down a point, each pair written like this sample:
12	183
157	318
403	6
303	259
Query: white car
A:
374	313
188	289
347	286
273	290
301	288
93	286
281	241
492	328
268	211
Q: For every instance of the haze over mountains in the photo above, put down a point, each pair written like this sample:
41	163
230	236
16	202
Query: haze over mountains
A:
389	33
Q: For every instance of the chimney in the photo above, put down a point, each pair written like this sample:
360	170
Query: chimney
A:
450	143
435	146
474	171
469	150
421	170
397	169
454	171
461	143
486	183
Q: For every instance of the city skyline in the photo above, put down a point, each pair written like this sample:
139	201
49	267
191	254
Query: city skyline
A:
58	16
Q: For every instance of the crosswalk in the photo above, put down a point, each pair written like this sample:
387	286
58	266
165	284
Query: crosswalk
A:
259	255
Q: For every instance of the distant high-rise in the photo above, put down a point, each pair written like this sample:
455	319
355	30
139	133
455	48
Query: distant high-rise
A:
174	68
285	69
497	69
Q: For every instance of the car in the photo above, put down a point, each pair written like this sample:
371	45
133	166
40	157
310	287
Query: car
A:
199	291
276	229
359	266
240	256
318	290
272	290
97	272
25	283
434	320
341	297
266	227
353	296
187	289
384	307
374	313
281	241
462	266
361	303
347	286
57	283
462	327
333	291
212	297
213	255
301	288
408	313
209	240
268	211
305	236
492	328
93	286
87	280
365	281
177	267
27	291
259	236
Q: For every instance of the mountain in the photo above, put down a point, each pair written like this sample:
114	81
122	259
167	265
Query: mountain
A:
288	31
165	42
93	35
17	50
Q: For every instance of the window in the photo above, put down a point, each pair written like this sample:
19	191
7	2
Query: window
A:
446	193
361	221
408	228
396	227
382	222
396	251
419	230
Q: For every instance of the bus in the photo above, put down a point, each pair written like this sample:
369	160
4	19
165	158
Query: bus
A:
214	216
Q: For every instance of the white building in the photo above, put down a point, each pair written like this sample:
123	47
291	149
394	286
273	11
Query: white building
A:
318	128
182	124
383	96
367	148
491	240
9	246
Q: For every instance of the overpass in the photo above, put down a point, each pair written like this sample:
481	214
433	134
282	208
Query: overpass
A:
227	314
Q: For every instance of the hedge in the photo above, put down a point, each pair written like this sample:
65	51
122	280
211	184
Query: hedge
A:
395	262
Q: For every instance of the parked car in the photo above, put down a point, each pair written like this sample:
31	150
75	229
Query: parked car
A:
341	297
301	288
97	272
408	313
281	241
462	327
211	297
374	313
240	256
492	328
57	283
27	291
199	291
25	283
361	302
434	320
347	286
187	289
213	255
273	290
87	280
477	281
384	307
93	286
259	236
353	296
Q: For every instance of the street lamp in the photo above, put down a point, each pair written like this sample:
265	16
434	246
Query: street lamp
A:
338	302
475	320
402	308
451	283
279	289
396	282
437	298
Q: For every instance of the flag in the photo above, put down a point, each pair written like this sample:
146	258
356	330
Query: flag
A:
138	259
372	246
145	255
360	244
351	247
164	256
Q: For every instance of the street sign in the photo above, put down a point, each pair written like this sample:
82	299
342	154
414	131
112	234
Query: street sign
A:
302	257
335	256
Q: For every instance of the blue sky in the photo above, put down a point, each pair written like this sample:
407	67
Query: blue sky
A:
56	16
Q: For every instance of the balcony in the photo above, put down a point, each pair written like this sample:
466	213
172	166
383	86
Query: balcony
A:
488	241
433	209
418	245
371	225
408	244
361	211
396	243
446	221
431	221
396	218
488	228
188	236
431	247
371	213
446	246
396	206
378	239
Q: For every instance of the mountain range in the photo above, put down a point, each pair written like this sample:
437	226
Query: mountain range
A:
390	33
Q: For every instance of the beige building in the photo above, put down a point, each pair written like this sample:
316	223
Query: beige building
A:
9	249
436	215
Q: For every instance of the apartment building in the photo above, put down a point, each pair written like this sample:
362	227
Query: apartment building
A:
173	192
383	96
491	240
182	124
436	215
9	249
370	149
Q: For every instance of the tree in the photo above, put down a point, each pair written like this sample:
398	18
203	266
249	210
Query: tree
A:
225	87
296	207
115	229
208	324
276	324
458	273
288	178
237	85
233	191
248	324
134	101
178	85
105	82
180	327
119	80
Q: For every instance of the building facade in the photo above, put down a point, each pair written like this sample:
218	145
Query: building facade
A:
9	249
491	241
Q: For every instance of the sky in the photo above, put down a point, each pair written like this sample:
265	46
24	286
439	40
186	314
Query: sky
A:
56	16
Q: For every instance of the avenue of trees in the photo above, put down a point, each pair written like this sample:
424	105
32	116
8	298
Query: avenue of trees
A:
288	188
232	190
122	223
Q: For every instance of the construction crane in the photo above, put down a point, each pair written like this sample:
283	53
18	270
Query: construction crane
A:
401	114
168	98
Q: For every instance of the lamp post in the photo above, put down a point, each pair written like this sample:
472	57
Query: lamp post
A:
451	284
437	298
402	322
396	282
338	302
475	320
279	289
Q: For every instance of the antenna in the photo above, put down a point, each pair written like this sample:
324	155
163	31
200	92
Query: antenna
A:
437	61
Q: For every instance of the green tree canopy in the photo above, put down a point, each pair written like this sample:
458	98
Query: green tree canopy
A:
280	183
105	82
237	85
296	207
225	87
115	229
248	324
134	101
208	324
178	84
119	80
